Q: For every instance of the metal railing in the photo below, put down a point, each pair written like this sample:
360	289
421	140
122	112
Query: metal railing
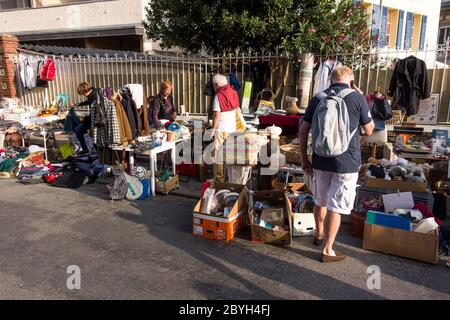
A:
189	74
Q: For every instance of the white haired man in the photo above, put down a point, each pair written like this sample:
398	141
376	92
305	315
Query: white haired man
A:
335	177
225	104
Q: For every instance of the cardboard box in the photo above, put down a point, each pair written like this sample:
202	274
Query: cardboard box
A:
296	186
221	228
276	199
407	244
397	185
167	186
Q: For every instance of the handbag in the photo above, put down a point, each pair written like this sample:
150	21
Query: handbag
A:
382	108
240	121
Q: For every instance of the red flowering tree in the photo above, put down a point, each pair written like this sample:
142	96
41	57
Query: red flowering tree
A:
329	27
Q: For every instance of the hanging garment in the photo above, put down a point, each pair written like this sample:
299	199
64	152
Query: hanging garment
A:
72	121
124	125
108	92
125	94
143	120
131	115
107	132
260	75
137	94
28	74
234	82
409	84
322	80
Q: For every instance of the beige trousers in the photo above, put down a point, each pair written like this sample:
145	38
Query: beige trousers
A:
218	167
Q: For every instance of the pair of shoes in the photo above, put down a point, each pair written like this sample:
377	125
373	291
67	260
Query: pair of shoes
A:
317	241
328	259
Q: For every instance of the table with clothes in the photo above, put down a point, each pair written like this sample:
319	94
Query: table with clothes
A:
289	124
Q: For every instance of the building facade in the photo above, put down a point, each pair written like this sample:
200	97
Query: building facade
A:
444	22
404	24
106	24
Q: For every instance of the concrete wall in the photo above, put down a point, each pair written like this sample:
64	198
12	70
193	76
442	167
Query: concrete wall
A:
78	16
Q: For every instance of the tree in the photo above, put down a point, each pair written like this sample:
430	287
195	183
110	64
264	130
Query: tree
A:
224	26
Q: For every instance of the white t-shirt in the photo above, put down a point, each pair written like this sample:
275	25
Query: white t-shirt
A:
227	121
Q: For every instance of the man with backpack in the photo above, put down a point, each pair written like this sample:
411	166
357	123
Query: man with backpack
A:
335	118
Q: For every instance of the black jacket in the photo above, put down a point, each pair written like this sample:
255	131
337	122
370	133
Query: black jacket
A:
409	84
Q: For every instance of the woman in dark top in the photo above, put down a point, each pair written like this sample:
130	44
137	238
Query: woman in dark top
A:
89	92
163	106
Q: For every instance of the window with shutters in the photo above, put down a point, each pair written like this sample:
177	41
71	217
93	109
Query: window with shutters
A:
375	27
383	31
388	27
401	18
408	31
423	33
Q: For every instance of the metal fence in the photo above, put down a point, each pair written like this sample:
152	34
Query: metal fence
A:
189	74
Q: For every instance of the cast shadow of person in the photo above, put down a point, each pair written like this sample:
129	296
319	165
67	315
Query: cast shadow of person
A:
175	229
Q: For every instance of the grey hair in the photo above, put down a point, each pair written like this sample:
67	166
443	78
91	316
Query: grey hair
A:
220	80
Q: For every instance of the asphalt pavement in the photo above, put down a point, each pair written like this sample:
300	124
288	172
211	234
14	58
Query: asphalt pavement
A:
145	250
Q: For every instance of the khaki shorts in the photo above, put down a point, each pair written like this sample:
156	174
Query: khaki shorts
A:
335	191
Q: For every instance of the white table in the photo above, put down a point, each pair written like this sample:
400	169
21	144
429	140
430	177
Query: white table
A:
153	155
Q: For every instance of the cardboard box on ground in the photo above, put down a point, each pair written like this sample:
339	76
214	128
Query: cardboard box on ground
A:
219	227
303	223
407	244
275	200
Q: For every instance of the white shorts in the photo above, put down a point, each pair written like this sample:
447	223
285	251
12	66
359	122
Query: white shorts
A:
335	191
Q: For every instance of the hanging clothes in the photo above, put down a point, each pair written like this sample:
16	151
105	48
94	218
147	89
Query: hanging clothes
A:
105	124
260	71
322	80
124	125
131	114
409	84
234	82
143	119
28	74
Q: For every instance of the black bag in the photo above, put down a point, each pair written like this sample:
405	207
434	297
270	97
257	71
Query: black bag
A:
382	109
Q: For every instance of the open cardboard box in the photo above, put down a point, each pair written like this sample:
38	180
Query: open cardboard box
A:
219	227
397	185
407	244
276	199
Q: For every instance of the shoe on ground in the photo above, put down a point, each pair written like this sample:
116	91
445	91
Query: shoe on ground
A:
329	259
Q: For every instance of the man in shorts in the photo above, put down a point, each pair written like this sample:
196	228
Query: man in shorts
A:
335	178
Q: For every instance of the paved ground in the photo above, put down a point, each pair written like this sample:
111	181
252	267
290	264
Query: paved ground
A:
145	250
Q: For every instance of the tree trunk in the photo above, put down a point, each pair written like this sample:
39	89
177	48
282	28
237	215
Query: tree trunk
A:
305	78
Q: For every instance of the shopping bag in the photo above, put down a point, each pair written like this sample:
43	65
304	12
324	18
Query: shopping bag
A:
240	121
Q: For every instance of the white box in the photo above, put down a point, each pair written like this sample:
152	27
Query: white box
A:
304	224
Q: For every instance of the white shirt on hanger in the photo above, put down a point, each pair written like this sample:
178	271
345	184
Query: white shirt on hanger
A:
322	79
